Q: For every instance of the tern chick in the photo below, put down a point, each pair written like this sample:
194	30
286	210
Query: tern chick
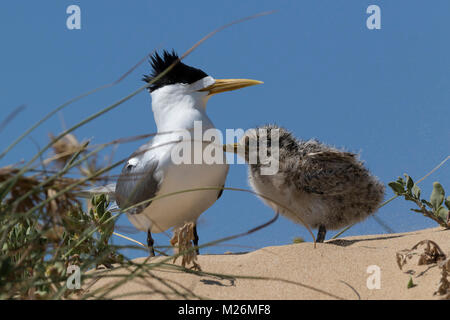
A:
324	187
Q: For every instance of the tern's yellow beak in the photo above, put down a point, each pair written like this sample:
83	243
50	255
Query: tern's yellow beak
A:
222	85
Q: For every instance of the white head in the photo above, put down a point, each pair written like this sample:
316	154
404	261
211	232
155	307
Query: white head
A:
178	89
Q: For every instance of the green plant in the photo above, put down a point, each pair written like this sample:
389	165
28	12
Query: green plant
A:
434	208
97	244
410	283
36	253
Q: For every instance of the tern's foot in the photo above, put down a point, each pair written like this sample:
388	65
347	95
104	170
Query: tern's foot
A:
150	244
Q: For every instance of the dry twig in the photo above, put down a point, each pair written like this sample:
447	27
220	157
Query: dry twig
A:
428	252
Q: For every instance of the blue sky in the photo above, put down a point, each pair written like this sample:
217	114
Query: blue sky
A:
383	93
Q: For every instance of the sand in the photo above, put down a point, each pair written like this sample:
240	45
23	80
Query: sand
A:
333	270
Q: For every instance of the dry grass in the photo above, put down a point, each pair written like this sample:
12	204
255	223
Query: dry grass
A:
182	241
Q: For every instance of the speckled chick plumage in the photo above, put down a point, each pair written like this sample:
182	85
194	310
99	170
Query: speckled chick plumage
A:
322	185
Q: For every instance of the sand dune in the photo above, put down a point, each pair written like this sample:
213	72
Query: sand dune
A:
333	270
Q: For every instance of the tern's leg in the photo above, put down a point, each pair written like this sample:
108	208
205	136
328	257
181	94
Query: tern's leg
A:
150	244
196	239
321	233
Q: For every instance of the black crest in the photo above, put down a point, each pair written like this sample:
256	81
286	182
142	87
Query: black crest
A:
180	73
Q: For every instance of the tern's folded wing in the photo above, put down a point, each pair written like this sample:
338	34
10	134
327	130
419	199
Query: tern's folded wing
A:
137	183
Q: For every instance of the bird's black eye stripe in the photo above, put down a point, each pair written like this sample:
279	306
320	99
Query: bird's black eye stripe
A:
180	73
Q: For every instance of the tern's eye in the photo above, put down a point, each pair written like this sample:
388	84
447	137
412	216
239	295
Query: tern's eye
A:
131	164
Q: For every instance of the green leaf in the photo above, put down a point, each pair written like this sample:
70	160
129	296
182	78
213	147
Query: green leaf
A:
100	209
416	191
437	195
410	283
396	187
447	202
409	182
442	213
91	213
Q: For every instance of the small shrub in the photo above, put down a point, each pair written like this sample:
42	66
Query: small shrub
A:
437	208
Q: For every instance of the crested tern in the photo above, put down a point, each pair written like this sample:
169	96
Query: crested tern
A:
179	99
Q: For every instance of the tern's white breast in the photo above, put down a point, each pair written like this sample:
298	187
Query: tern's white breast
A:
175	210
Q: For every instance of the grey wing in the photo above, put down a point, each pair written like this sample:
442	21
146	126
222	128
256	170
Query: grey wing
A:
136	184
331	172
